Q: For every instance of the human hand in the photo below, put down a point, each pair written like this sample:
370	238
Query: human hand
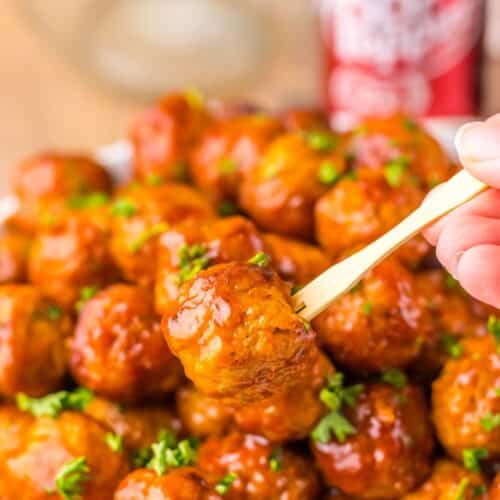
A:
468	239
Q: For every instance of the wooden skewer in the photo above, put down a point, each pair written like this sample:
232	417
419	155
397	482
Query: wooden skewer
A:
341	277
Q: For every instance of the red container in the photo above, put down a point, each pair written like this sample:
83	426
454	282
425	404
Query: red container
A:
384	56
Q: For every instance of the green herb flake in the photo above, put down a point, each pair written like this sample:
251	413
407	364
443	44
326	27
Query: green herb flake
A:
53	312
114	441
270	170
394	171
472	458
141	457
194	98
452	346
146	235
180	172
70	478
123	208
222	487
155	179
86	293
167	455
89	200
227	208
295	289
53	404
494	329
192	260
334	423
461	490
352	176
367	308
497	392
450	282
490	421
410	124
321	140
260	259
276	460
477	491
328	174
227	166
395	377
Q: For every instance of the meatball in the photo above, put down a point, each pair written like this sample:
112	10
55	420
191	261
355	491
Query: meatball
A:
295	261
118	349
260	469
494	493
163	136
237	336
380	324
355	212
291	416
13	256
68	257
192	244
466	397
14	426
139	426
297	119
50	178
45	454
228	150
389	451
201	415
32	342
280	192
184	483
449	480
144	212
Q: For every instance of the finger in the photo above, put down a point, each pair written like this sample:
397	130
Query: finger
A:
478	271
463	233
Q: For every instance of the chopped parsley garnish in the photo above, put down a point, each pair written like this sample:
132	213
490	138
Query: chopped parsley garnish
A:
114	441
478	490
70	478
462	489
352	175
452	346
295	289
367	308
334	396
394	171
192	259
450	282
222	487
260	259
141	457
497	392
328	174
180	172
53	404
194	98
410	124
155	179
227	208
146	235
123	208
270	170
490	421
227	166
395	377
472	458
53	312
166	454
86	293
89	200
494	329
321	140
276	459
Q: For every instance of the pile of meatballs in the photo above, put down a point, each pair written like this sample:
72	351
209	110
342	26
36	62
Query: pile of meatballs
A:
148	344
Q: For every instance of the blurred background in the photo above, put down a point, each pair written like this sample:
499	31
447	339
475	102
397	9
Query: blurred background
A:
74	73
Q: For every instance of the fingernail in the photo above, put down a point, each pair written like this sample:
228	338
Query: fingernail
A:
462	139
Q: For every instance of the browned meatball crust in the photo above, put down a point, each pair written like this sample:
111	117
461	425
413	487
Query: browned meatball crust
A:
280	192
118	349
13	257
390	452
463	397
380	324
32	342
237	336
215	241
149	212
258	477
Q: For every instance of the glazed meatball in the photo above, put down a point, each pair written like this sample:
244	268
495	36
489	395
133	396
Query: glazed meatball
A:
355	212
67	257
201	415
139	426
292	416
260	469
389	452
185	483
49	447
237	336
32	342
465	398
142	213
448	481
118	349
280	192
50	179
295	261
380	324
228	150
13	256
163	136
192	244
